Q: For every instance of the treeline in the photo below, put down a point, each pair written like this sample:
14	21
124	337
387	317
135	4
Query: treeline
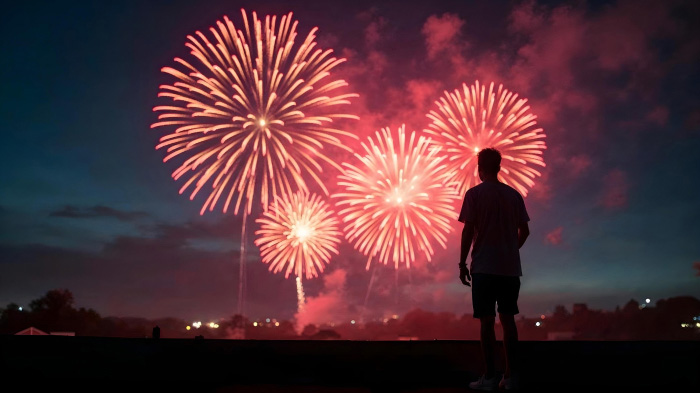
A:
676	318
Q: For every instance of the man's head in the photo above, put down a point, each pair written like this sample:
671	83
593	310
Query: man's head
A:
489	163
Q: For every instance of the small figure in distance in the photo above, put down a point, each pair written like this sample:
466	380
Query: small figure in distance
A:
496	221
156	332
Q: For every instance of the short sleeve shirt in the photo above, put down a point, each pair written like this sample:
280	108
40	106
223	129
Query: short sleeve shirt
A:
496	210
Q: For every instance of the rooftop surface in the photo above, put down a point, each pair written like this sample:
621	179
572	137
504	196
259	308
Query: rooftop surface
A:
127	364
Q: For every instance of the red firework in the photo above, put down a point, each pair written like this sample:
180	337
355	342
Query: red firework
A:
473	118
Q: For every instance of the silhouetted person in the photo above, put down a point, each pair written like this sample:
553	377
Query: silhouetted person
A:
156	332
496	221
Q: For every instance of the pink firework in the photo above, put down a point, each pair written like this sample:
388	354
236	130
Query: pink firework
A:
395	201
473	118
251	112
298	234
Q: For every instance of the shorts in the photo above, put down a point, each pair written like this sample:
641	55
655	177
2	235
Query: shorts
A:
491	289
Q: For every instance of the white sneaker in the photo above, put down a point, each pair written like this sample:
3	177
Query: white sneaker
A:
484	384
508	383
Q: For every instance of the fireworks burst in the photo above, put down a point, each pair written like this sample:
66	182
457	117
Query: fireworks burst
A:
251	111
251	107
471	119
298	234
396	201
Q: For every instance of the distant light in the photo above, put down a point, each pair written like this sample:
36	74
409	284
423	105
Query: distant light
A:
277	323
20	309
648	300
188	327
197	324
395	316
537	323
542	316
267	320
697	324
476	150
213	325
255	324
353	321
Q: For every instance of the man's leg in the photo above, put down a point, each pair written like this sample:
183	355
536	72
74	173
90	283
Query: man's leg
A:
510	342
488	344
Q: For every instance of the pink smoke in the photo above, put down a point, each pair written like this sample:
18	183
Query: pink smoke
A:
554	237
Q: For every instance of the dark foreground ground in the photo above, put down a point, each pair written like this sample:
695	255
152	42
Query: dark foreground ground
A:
56	363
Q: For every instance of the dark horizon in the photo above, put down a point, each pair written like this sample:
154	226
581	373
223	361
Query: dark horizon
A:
672	319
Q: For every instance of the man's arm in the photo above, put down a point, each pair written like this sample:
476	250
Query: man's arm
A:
523	233
467	237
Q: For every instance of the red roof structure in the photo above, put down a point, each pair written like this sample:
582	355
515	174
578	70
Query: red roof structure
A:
31	331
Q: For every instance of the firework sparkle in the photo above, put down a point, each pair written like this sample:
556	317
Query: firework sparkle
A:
394	201
298	234
250	111
473	118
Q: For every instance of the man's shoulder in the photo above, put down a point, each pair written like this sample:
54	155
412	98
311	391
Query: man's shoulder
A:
493	187
475	189
510	190
513	190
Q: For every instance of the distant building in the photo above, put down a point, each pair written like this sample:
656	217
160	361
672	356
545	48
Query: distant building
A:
31	331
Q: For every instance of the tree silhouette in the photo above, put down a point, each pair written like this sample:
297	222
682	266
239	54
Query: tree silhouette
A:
56	301
54	312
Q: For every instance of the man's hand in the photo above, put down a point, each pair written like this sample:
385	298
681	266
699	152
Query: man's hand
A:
467	237
465	276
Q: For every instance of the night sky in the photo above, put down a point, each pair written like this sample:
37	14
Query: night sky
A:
87	204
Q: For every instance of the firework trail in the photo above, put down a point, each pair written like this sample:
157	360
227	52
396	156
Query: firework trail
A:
298	234
301	298
251	111
395	200
470	119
